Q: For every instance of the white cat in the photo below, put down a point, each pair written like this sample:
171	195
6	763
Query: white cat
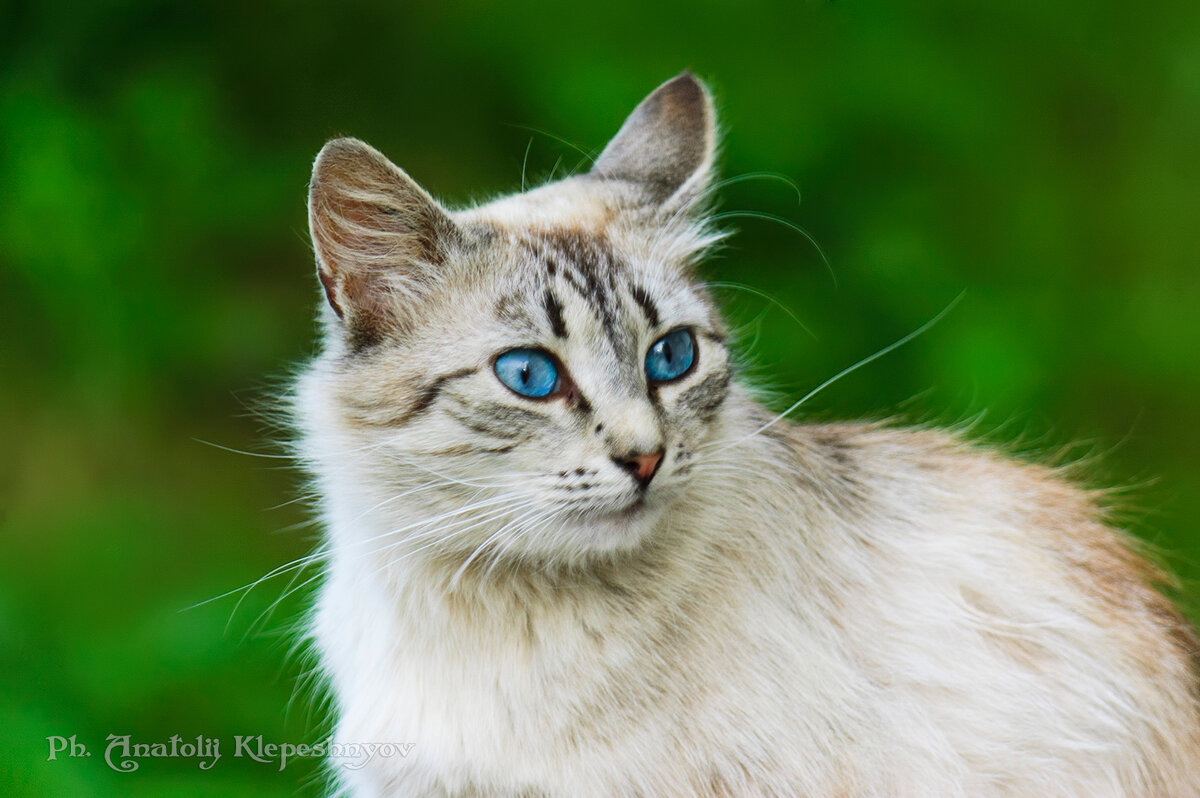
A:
568	555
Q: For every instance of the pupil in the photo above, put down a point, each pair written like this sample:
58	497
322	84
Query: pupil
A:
525	373
666	350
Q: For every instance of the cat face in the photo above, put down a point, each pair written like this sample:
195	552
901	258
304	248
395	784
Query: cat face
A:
531	377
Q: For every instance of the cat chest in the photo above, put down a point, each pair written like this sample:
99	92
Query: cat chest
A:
484	688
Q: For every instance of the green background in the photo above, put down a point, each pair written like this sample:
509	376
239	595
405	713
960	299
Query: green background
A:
156	285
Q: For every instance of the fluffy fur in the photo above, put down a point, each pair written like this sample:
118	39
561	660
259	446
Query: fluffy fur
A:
786	610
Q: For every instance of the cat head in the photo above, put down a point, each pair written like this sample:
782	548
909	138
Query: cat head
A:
537	372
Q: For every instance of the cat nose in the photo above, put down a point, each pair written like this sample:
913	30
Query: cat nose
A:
641	467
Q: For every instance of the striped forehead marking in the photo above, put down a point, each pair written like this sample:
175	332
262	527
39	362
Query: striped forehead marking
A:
588	265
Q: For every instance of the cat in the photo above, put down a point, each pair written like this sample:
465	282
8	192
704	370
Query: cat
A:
569	554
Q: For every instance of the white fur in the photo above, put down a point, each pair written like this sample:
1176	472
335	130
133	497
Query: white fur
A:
793	610
778	648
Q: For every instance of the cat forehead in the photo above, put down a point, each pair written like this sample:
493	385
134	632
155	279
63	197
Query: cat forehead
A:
596	267
560	282
581	246
580	203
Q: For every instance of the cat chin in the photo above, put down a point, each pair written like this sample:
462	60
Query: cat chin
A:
617	531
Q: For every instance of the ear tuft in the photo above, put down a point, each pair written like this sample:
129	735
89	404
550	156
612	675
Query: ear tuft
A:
667	144
379	237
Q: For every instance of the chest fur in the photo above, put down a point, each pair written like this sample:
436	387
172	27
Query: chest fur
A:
511	685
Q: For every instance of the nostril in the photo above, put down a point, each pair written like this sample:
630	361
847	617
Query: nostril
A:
641	467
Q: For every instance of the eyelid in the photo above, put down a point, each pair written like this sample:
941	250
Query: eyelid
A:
554	358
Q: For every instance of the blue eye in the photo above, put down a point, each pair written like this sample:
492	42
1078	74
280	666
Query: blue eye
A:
671	356
529	372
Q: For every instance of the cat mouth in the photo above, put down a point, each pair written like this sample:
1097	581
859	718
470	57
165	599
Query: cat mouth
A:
634	510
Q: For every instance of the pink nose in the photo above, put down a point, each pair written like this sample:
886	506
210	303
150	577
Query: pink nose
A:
641	466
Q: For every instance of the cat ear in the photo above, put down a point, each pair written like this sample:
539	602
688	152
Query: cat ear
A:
379	237
666	145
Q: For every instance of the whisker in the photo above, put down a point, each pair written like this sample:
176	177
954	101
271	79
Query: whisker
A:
325	551
764	295
559	139
301	498
851	369
742	178
789	224
264	617
304	562
243	451
525	162
530	529
533	513
441	537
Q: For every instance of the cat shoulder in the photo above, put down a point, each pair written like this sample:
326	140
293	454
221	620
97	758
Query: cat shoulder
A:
990	502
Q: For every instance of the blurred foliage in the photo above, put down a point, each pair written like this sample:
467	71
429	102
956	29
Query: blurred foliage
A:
156	282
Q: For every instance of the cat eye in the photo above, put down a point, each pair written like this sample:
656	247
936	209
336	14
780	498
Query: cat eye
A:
671	356
528	372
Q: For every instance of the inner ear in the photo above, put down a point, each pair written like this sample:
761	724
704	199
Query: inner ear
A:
380	239
667	144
